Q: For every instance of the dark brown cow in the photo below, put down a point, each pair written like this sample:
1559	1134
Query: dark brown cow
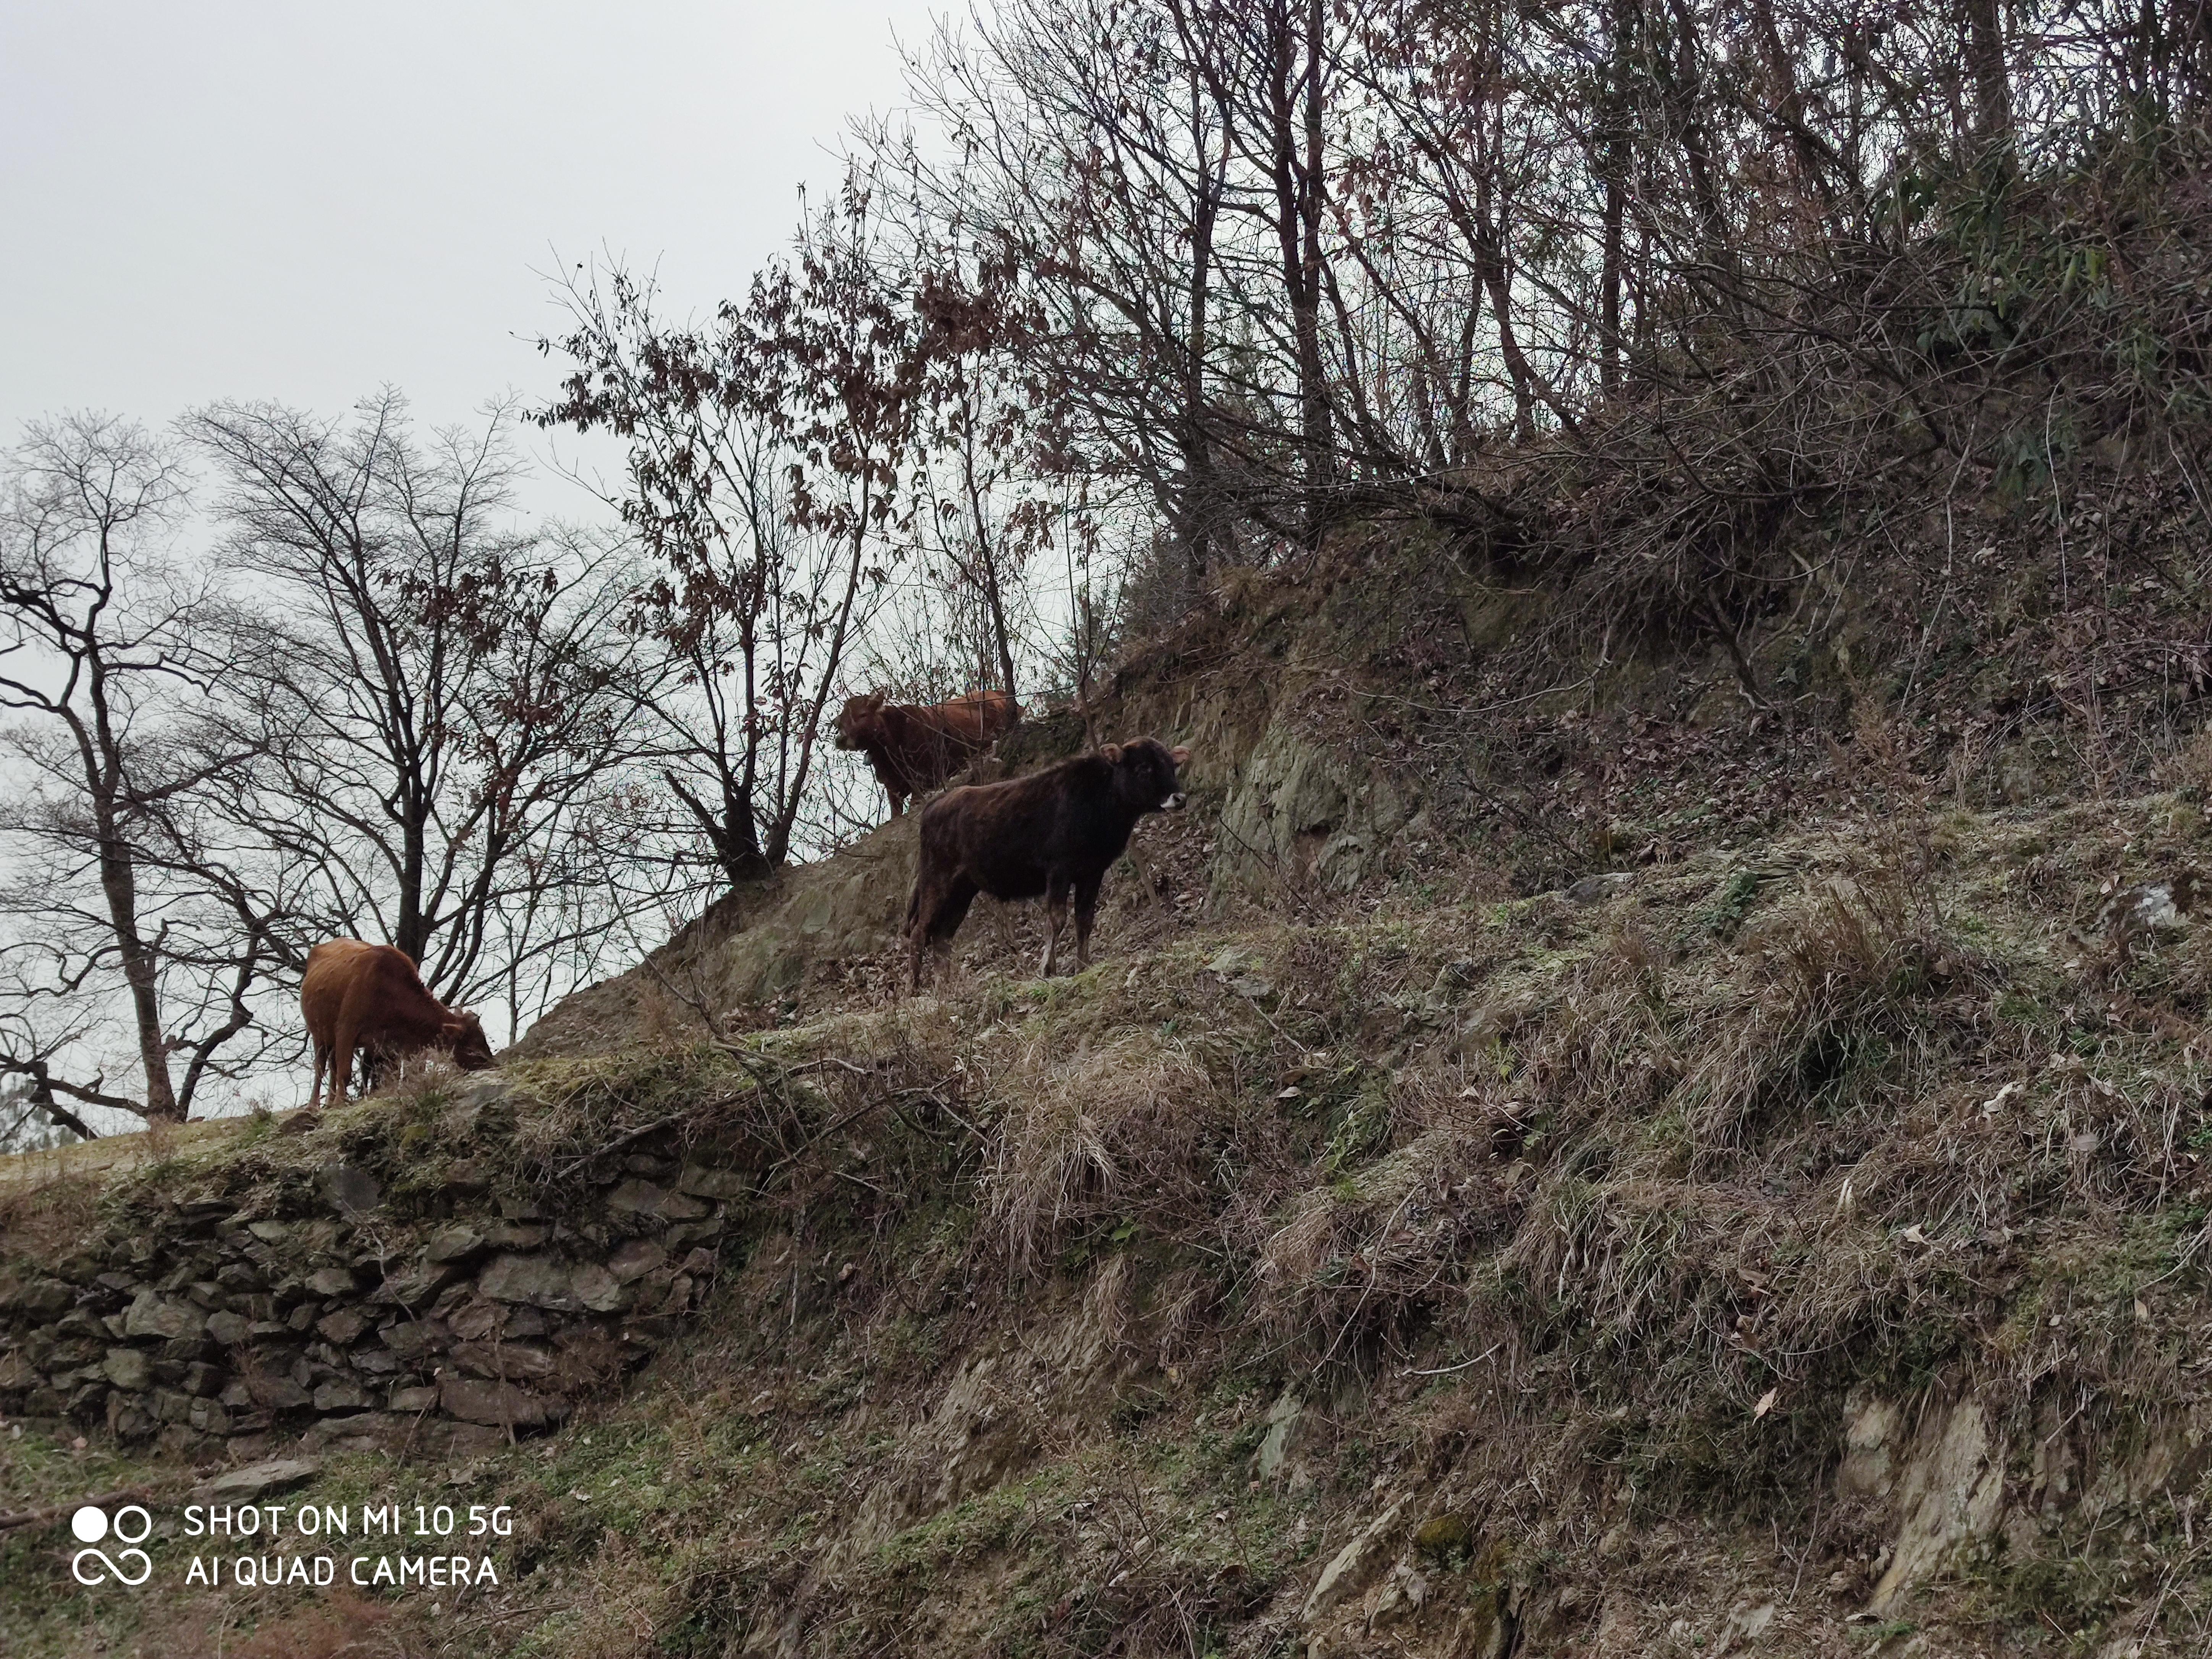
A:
1055	833
369	999
915	747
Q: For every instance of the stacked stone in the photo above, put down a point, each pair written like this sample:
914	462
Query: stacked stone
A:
347	1329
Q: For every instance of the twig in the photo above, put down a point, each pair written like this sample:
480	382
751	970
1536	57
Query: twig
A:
1446	1371
617	1143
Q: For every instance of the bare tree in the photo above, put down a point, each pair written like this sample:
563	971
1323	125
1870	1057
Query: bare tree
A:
440	693
767	453
118	890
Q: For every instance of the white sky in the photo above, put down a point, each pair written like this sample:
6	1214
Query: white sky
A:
307	200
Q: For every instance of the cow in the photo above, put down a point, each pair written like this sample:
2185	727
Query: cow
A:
1055	833
915	747
370	1000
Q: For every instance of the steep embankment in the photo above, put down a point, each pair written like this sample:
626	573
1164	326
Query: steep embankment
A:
1630	1170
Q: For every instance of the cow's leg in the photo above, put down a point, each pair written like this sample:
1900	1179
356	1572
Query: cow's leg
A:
937	920
1086	909
322	1062
918	915
1055	913
341	1065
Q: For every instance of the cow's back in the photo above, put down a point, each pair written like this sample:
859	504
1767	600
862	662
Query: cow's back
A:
333	968
973	719
1007	837
380	979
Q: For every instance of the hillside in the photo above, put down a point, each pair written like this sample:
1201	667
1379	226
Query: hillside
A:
1564	1150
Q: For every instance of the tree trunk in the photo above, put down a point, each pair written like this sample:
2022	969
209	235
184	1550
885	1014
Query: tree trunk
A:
1298	233
102	758
1986	64
1613	162
1313	386
119	883
1196	506
1697	143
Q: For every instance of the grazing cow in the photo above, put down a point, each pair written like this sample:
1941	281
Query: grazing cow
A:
369	999
1053	832
915	748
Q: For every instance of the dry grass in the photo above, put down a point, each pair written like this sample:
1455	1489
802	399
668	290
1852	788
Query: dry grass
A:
1602	1176
1104	1133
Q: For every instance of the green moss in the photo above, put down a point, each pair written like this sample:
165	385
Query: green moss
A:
1445	1542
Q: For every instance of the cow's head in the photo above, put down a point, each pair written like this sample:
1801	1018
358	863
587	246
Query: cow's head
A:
463	1033
1145	774
861	722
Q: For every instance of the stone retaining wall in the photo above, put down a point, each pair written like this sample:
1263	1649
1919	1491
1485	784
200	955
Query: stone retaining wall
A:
222	1331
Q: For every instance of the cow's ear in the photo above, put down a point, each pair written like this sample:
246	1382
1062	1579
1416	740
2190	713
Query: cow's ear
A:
1178	754
1111	752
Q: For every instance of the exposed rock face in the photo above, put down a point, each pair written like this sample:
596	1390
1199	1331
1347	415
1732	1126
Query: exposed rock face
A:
274	1331
1301	806
1353	1567
1951	1494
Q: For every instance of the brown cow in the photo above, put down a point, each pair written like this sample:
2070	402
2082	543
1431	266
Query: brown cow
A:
914	747
369	998
1054	832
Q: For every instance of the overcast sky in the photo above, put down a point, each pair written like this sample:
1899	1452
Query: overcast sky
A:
307	201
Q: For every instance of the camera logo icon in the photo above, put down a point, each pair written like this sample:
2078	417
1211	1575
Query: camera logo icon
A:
91	1525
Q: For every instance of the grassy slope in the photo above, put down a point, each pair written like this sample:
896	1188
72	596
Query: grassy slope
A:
1564	1190
1566	1222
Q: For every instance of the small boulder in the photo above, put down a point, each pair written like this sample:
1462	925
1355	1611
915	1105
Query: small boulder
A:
700	1182
538	1280
227	1328
454	1243
513	1361
500	1405
151	1314
641	1198
278	1394
343	1328
349	1190
635	1258
1352	1568
599	1292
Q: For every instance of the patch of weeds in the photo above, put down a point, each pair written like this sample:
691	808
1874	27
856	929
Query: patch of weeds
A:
1722	914
2066	1592
1133	1407
1101	1239
1358	1129
1445	1543
964	1533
